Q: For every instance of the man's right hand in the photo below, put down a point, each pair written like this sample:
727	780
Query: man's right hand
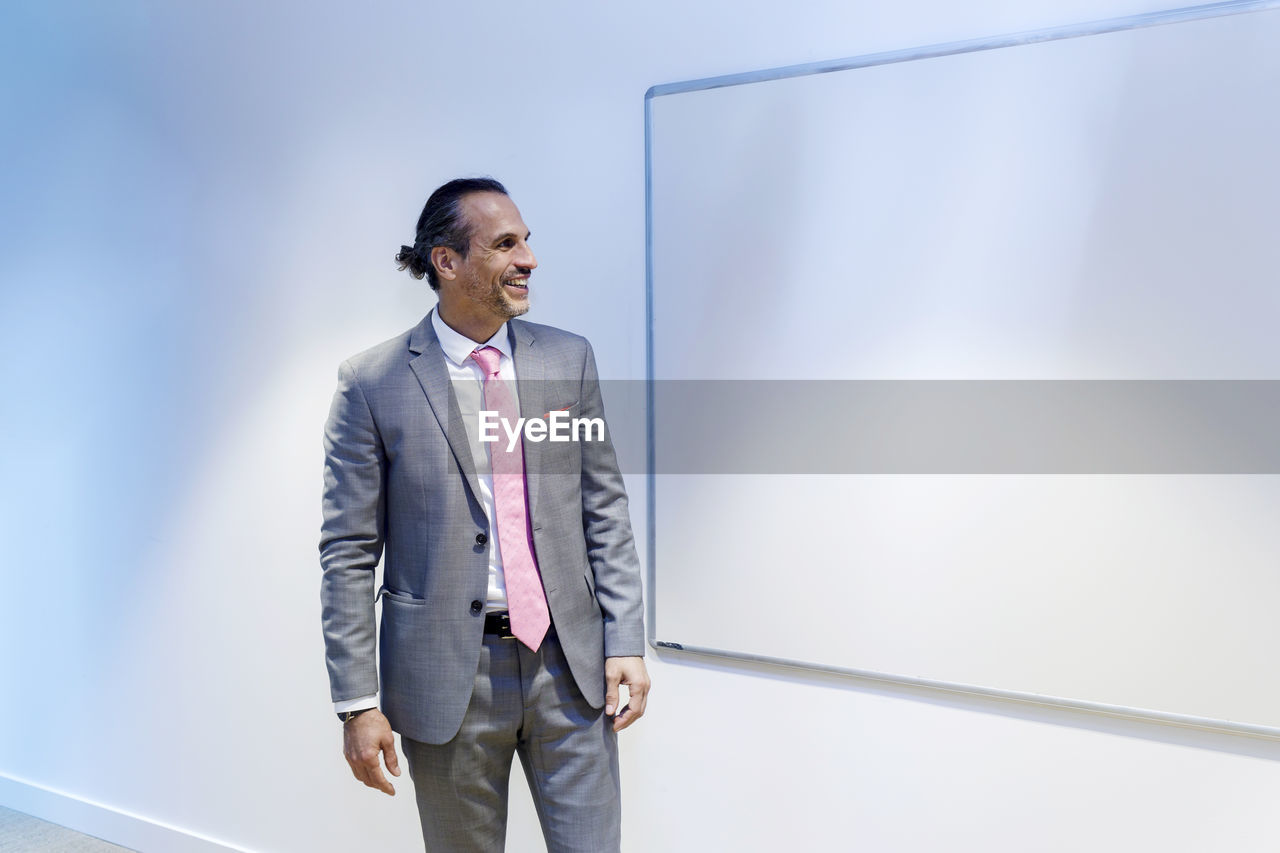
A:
365	739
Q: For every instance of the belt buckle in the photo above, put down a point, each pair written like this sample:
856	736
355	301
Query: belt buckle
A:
504	627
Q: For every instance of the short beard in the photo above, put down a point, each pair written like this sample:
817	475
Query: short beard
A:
497	300
502	304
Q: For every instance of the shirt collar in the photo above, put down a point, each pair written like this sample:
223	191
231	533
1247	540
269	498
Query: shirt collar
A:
458	347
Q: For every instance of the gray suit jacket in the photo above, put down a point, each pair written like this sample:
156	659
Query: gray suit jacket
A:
400	484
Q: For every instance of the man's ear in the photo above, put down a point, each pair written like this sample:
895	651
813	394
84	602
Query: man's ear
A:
444	260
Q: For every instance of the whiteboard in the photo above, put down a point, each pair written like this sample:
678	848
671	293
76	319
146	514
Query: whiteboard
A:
1079	223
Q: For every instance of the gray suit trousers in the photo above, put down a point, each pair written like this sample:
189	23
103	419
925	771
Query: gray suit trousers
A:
523	703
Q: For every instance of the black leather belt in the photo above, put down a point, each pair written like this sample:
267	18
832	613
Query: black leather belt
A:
499	623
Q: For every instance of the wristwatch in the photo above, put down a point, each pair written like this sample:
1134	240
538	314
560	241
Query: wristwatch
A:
351	715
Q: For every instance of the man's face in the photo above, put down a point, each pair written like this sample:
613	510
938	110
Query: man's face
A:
494	277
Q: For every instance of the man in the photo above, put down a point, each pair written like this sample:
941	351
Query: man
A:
511	607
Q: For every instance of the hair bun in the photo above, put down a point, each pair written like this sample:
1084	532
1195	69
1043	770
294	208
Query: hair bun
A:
408	258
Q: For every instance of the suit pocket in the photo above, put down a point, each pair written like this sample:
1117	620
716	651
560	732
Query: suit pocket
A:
405	664
570	409
400	597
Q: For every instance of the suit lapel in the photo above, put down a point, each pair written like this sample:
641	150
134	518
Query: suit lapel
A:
530	373
428	365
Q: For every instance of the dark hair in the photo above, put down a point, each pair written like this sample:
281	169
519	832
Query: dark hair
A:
442	224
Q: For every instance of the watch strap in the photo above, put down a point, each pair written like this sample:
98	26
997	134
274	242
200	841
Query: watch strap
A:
346	716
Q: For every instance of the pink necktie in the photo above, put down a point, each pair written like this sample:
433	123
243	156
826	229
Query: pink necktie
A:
526	602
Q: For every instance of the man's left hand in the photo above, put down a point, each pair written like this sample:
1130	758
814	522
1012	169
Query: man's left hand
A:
631	672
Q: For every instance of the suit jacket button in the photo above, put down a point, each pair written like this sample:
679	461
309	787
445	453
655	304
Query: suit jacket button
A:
476	607
481	539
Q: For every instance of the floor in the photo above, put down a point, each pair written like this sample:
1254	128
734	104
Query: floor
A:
22	833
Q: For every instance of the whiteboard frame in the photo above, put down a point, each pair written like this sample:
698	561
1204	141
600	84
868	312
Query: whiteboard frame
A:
1110	25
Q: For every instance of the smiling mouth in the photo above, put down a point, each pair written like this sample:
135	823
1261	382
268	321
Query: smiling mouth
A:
520	285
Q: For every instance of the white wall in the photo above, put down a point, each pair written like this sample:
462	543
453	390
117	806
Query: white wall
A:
199	212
